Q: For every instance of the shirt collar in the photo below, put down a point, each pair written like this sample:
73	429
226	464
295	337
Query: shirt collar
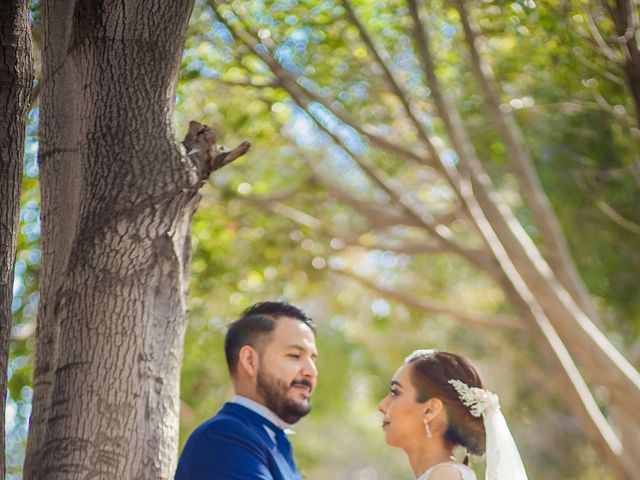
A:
263	412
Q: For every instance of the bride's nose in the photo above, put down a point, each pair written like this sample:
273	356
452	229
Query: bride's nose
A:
382	406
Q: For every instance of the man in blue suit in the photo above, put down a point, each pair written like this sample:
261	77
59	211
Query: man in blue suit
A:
270	352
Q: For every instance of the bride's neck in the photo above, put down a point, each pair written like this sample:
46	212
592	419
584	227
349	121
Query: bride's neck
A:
427	454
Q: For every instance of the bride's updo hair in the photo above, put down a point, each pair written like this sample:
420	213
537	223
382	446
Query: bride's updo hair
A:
430	372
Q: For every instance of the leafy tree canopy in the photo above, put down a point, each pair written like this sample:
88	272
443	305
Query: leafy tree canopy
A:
272	226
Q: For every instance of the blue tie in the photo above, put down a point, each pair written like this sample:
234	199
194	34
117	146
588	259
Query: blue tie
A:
284	447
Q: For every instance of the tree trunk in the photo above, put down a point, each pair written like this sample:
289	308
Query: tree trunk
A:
118	194
564	372
625	17
16	76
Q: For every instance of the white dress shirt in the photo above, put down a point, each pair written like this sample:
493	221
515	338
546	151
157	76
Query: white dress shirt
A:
266	413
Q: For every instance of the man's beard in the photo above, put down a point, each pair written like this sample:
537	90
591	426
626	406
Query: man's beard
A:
274	392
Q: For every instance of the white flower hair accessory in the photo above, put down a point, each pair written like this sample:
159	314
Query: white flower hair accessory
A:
424	352
476	399
503	458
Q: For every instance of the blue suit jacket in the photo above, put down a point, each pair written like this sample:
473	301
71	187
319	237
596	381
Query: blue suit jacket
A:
234	445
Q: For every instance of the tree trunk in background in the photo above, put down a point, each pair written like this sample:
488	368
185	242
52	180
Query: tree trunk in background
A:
118	194
624	14
16	77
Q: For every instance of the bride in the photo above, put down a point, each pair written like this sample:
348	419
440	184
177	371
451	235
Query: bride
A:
436	402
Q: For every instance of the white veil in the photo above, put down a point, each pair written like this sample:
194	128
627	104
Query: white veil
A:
502	456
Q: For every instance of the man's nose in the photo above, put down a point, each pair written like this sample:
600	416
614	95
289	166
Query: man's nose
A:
309	369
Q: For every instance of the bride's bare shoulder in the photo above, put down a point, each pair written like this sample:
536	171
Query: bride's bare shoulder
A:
445	472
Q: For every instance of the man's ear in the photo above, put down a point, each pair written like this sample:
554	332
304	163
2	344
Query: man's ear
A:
249	360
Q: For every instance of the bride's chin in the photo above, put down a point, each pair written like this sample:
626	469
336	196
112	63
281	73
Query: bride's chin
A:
389	441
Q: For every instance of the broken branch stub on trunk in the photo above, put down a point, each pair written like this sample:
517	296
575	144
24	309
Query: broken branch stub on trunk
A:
205	153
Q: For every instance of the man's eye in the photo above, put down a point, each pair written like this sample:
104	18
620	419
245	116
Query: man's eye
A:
293	355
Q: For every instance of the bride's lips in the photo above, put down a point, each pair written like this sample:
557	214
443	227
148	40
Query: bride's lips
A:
385	423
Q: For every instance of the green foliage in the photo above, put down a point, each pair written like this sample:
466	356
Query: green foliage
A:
247	250
362	336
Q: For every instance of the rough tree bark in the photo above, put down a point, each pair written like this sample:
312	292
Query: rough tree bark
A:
16	76
118	194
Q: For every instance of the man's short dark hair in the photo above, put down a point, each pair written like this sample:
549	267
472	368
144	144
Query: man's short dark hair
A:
256	322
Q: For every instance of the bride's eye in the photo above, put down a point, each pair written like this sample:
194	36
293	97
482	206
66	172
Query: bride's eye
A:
393	392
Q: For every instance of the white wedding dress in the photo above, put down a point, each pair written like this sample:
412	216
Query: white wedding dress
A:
465	472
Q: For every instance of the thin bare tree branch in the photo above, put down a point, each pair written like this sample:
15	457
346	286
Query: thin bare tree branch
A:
290	83
281	196
276	202
393	82
430	305
247	82
603	47
378	214
628	225
407	206
584	59
610	109
402	246
292	213
574	106
378	217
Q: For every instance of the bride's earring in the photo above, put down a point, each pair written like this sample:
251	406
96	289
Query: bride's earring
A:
427	429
